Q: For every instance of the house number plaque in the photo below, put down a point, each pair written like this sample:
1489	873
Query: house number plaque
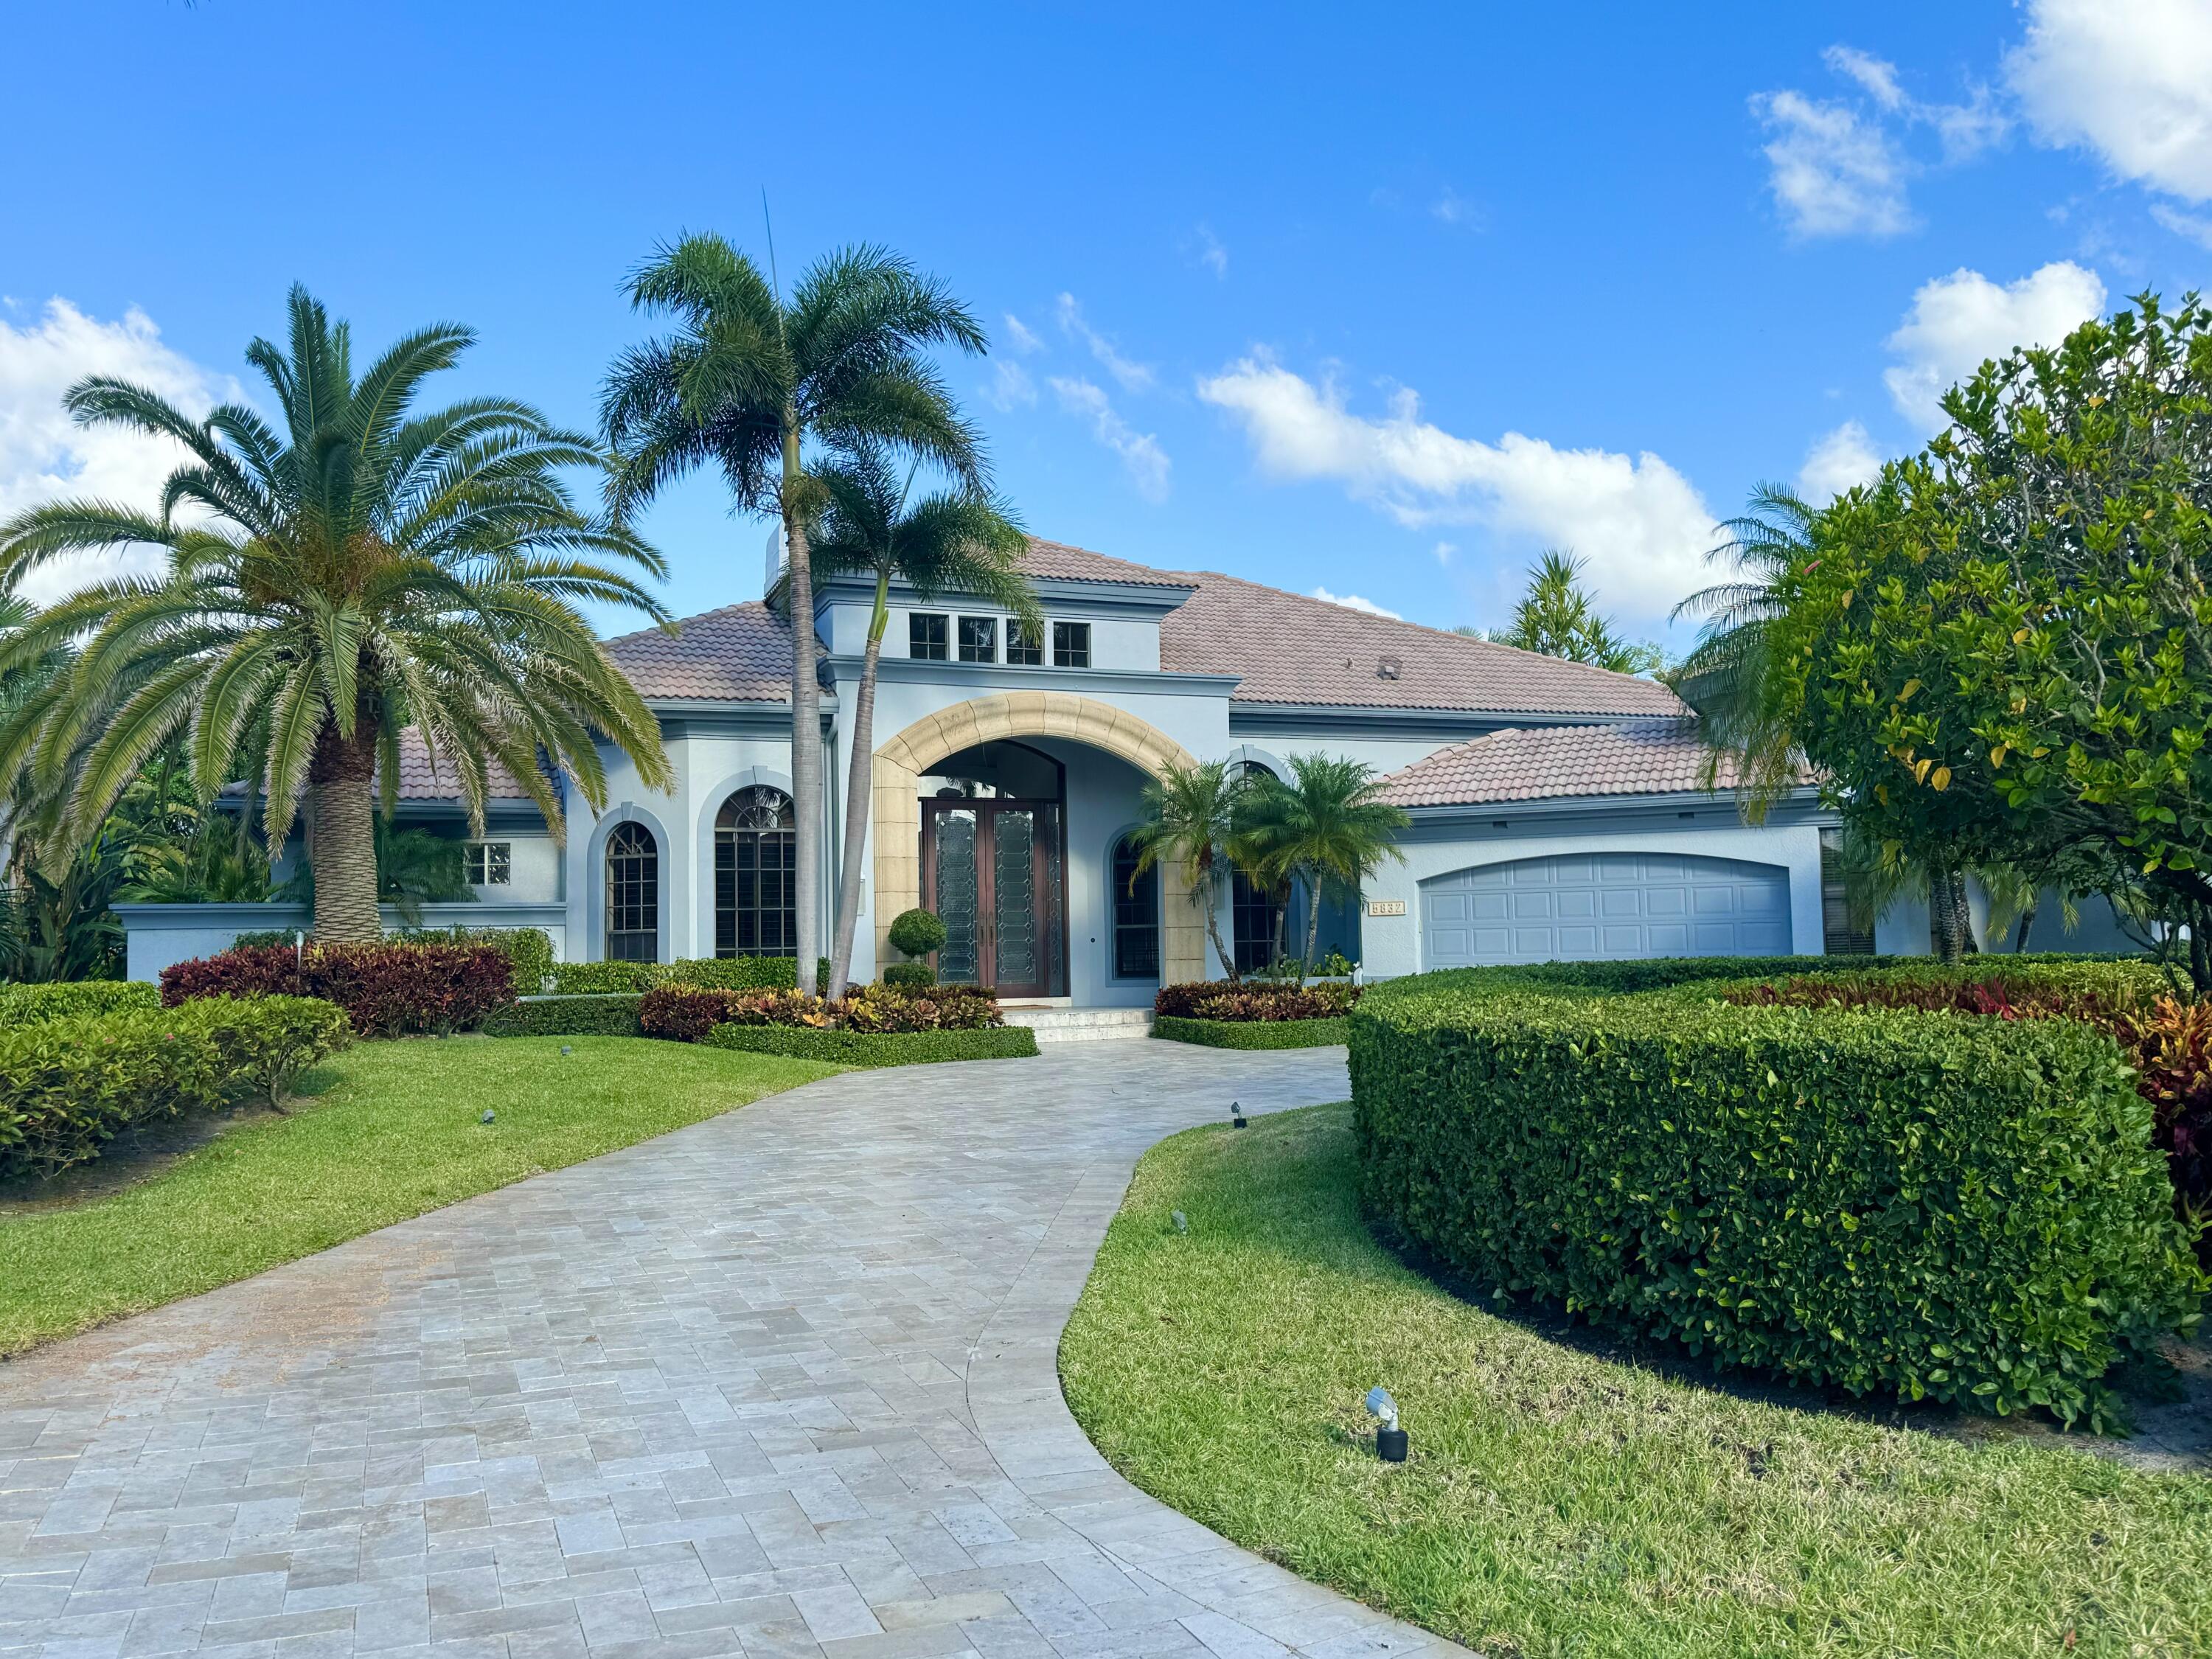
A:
1386	906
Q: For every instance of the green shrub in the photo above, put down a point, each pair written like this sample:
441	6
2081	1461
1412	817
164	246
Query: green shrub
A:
1892	1202
610	1014
910	976
877	1047
254	938
18	1003
719	973
528	949
1263	999
1252	1033
69	1086
917	932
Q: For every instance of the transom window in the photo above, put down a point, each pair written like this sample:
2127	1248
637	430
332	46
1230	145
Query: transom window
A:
755	865
633	895
1070	644
925	635
1024	648
979	639
490	863
1136	914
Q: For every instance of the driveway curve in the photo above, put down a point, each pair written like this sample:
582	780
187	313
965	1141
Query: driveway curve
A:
780	1384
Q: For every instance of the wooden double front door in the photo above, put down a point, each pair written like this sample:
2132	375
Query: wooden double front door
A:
994	871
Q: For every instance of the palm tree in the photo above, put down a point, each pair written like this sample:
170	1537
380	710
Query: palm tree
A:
1192	819
746	383
956	541
1327	826
1557	617
352	570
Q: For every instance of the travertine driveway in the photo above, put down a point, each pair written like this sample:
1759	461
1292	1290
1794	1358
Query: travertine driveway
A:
781	1384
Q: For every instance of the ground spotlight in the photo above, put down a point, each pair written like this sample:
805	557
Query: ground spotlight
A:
1390	1439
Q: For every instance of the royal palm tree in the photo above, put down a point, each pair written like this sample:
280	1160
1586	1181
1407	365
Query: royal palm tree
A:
750	383
349	570
955	541
1191	820
1327	826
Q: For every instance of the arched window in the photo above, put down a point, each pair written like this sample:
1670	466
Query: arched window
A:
1136	914
1255	915
633	895
756	858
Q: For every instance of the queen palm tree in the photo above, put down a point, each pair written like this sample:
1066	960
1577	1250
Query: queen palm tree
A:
1192	819
955	541
749	383
1329	826
352	569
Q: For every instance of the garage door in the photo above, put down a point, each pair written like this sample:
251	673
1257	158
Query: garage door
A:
1605	906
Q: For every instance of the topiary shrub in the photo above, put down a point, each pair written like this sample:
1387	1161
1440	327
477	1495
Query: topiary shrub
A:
18	1003
387	990
916	933
1892	1202
910	976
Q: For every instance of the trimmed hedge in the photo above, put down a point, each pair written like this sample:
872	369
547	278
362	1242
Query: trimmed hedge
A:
528	950
719	973
614	1014
1255	999
1890	1201
21	1003
877	1047
687	1013
69	1086
387	990
1252	1033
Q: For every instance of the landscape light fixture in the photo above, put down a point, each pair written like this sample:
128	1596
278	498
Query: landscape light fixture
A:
1237	1115
1182	1221
1390	1439
487	1117
567	1049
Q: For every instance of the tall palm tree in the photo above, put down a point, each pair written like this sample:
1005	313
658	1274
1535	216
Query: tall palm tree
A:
748	383
953	542
1329	826
350	570
1192	817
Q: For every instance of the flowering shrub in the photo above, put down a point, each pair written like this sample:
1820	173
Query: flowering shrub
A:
1219	999
387	990
686	1013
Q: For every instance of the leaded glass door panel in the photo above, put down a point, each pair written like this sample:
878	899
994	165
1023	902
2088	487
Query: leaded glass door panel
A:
994	872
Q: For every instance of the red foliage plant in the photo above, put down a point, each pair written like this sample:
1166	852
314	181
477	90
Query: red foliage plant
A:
687	1013
1253	1001
387	990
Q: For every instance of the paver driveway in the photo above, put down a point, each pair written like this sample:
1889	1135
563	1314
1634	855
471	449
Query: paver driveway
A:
781	1383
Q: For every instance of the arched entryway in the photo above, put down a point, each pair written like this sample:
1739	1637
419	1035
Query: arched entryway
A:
994	867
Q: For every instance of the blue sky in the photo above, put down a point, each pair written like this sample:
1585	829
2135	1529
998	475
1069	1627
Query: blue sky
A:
1373	302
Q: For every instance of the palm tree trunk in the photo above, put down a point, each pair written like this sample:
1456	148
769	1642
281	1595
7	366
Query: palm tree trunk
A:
1313	927
2027	921
1950	921
805	716
344	804
859	792
1203	888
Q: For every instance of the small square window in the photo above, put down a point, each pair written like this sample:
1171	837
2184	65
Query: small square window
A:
1070	644
1025	647
491	863
979	639
925	636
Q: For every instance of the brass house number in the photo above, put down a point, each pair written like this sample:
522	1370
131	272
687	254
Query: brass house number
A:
1386	906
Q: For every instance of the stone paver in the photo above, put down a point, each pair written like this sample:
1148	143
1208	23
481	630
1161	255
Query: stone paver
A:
781	1384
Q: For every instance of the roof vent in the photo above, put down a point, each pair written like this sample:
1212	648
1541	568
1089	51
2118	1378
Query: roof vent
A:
1386	669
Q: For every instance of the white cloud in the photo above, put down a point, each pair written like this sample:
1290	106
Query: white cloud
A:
1878	76
1211	253
1133	376
1353	602
1834	174
1444	551
1453	208
2195	226
1009	388
1140	452
1024	336
1836	462
2131	82
1639	523
45	455
1958	321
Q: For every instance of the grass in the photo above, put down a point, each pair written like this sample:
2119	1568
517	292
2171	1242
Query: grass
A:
1559	1502
392	1130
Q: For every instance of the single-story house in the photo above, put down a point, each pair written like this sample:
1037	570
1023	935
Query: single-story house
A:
1558	809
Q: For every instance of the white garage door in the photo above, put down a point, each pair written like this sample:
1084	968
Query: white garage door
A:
1603	906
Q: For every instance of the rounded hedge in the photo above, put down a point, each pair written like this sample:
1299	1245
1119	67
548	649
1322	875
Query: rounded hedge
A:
913	976
1897	1202
917	932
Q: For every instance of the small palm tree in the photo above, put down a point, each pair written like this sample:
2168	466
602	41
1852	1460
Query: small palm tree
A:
1192	819
747	383
1329	826
954	542
352	570
1557	617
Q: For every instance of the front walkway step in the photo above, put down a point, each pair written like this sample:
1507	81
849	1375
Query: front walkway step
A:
1082	1025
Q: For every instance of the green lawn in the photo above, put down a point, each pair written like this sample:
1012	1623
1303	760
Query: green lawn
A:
393	1130
1559	1503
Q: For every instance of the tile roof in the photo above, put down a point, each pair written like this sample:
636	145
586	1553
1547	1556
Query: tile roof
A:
740	653
1640	758
418	782
1080	564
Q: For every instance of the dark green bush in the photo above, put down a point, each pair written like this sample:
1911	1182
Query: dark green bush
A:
1251	1033
70	1086
910	976
18	1003
917	932
528	949
1895	1202
717	973
609	1014
1255	999
877	1047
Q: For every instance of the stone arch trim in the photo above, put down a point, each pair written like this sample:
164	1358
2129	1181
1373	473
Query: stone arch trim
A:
900	762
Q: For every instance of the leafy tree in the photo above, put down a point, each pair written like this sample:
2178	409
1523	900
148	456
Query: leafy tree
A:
1193	820
953	542
354	569
1557	617
2002	651
1327	826
748	383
